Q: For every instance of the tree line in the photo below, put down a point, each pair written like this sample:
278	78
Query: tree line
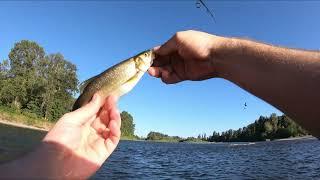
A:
42	85
272	127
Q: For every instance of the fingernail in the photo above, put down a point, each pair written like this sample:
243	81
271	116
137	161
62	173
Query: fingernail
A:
151	71
155	49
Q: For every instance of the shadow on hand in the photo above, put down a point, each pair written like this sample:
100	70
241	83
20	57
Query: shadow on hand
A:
55	160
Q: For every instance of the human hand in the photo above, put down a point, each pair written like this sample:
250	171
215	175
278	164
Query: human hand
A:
188	55
82	140
75	147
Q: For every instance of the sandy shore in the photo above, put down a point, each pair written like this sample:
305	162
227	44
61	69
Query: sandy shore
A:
296	138
21	125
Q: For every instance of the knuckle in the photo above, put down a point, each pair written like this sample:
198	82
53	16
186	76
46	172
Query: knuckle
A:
178	36
190	31
67	115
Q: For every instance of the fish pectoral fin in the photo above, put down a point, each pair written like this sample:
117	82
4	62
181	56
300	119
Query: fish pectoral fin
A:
128	85
84	84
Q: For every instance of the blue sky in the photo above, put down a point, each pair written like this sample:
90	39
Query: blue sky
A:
96	35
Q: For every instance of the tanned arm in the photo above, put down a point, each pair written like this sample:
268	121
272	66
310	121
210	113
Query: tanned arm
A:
288	79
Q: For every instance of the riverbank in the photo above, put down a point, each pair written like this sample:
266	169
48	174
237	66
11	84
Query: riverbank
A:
40	127
21	125
297	138
23	119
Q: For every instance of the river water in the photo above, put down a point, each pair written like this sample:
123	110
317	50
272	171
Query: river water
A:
295	159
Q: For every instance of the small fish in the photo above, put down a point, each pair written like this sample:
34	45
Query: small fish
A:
117	80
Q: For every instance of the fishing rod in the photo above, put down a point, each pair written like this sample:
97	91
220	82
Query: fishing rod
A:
200	3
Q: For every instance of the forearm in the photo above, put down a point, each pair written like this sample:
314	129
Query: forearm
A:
286	78
29	166
41	163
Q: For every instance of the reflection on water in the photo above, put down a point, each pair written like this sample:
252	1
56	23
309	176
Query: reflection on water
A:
297	159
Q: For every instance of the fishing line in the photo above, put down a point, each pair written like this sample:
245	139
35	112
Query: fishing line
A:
200	3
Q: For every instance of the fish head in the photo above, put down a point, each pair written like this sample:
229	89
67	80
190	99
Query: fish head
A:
144	60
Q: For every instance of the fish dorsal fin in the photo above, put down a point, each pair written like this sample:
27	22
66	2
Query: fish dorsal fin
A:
84	84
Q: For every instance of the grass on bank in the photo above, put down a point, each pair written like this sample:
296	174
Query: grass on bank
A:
23	117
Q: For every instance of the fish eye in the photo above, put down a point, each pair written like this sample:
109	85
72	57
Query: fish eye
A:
145	54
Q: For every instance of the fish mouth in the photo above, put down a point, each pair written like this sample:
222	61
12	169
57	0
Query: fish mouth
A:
144	63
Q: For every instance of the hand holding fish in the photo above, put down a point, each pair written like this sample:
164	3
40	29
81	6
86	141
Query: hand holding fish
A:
188	55
75	147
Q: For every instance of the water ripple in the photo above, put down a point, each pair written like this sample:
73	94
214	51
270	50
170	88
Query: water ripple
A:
298	159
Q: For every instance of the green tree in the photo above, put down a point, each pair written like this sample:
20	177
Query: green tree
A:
4	68
5	86
127	125
37	83
273	119
271	127
268	128
23	74
59	85
156	136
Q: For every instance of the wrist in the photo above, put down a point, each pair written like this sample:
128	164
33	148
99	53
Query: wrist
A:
224	54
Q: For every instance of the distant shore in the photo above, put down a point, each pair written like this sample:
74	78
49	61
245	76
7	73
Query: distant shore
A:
21	125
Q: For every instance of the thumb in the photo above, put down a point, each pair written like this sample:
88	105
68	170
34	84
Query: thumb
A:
84	113
168	47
